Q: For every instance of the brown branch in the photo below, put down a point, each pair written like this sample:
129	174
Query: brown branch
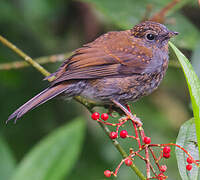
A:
160	16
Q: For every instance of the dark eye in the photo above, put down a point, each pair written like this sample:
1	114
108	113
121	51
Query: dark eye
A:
150	37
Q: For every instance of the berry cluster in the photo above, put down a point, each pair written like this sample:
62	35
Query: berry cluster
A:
96	116
144	144
189	165
166	152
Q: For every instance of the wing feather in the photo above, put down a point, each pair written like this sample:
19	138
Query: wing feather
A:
99	59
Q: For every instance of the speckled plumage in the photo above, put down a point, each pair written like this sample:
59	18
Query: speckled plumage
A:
121	66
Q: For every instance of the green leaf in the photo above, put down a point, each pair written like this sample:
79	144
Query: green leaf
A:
195	59
194	88
127	13
54	157
187	139
7	161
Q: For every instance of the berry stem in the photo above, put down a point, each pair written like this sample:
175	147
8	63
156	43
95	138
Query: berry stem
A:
132	137
142	134
119	165
152	169
154	157
136	134
118	146
140	156
172	144
147	162
107	123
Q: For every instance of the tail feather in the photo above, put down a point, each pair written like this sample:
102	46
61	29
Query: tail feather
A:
39	99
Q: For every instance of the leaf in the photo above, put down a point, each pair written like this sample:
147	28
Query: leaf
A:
194	87
187	138
195	59
127	13
54	157
7	161
8	12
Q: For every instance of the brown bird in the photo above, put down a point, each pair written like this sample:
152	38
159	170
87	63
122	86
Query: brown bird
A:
116	68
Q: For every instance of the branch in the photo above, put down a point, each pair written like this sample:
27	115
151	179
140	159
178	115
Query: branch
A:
40	60
24	56
88	104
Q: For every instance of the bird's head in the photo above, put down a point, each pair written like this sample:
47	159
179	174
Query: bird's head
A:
152	33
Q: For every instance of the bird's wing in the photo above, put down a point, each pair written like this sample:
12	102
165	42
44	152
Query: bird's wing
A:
112	54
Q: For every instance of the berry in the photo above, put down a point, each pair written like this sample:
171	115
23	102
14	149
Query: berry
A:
161	176
147	140
189	167
104	116
95	116
166	149
163	168
113	135
189	160
107	173
166	155
123	134
128	162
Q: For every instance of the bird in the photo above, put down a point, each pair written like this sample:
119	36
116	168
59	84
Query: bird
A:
116	68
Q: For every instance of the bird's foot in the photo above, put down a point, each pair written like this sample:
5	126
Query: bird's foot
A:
128	113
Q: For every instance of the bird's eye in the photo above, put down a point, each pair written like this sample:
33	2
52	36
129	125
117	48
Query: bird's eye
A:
150	37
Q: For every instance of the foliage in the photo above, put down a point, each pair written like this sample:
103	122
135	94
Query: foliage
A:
54	157
7	163
194	87
187	139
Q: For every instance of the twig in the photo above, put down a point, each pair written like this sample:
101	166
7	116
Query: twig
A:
24	56
147	162
136	135
154	157
160	16
88	104
40	60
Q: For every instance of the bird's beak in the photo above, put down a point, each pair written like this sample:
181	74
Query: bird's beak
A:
168	35
172	33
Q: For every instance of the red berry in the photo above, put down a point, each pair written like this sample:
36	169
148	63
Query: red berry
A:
113	135
166	149
166	155
107	173
147	140
95	116
163	168
128	162
161	176
189	167
189	160
123	134
104	116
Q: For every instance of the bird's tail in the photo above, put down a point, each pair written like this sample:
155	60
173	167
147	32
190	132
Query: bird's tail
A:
39	99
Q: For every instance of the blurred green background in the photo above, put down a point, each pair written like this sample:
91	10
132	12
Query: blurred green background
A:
47	27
